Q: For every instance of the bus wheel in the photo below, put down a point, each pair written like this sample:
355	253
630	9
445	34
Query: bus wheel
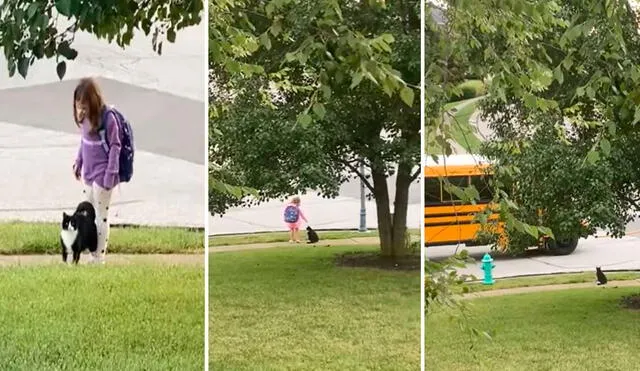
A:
565	247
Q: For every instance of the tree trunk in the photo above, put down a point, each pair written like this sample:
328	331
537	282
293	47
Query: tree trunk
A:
400	205
381	194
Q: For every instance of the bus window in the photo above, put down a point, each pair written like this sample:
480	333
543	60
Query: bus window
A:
456	181
432	191
482	185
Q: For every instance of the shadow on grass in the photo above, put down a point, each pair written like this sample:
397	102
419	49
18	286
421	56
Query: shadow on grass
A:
363	259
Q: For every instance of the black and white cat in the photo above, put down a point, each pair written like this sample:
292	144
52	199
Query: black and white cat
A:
312	236
601	279
79	232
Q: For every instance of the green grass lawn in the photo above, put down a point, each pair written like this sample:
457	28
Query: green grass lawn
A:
461	130
268	237
293	309
581	329
98	318
44	238
552	279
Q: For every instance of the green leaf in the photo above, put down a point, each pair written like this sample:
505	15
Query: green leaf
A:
276	27
605	145
171	36
38	51
12	68
50	49
571	34
356	79
457	191
265	40
61	69
18	14
530	100
304	119
290	57
407	96
319	110
519	226
23	67
472	193
510	204
326	91
66	51
32	10
593	156
532	231
269	8
388	38
636	116
558	75
146	26
64	7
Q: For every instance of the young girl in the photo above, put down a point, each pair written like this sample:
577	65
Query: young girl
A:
97	167
292	217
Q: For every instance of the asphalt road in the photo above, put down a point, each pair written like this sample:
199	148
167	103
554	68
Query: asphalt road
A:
163	123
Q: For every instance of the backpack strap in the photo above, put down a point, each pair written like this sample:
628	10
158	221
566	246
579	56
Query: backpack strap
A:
102	130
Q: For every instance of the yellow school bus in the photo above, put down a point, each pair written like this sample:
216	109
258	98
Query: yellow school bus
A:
448	221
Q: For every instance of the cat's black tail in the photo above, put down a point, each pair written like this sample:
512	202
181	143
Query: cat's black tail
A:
85	207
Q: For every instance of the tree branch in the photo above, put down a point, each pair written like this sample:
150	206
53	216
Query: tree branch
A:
632	201
357	172
414	176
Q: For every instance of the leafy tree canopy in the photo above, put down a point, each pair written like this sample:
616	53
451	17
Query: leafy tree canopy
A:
264	140
564	67
44	29
310	35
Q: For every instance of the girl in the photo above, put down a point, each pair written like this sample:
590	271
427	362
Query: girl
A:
292	217
97	167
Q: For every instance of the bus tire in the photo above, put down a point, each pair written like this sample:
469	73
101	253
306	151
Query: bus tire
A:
562	247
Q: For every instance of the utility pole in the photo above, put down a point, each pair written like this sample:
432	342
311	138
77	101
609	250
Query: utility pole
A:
363	209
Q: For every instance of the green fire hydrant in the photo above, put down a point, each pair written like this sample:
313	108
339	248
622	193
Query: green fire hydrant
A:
487	267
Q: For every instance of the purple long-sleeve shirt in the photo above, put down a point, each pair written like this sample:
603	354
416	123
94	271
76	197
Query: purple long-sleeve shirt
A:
97	165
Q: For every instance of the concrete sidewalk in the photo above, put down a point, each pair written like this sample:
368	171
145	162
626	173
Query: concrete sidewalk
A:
257	246
111	259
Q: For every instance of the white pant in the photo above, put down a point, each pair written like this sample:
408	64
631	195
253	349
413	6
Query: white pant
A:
100	198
